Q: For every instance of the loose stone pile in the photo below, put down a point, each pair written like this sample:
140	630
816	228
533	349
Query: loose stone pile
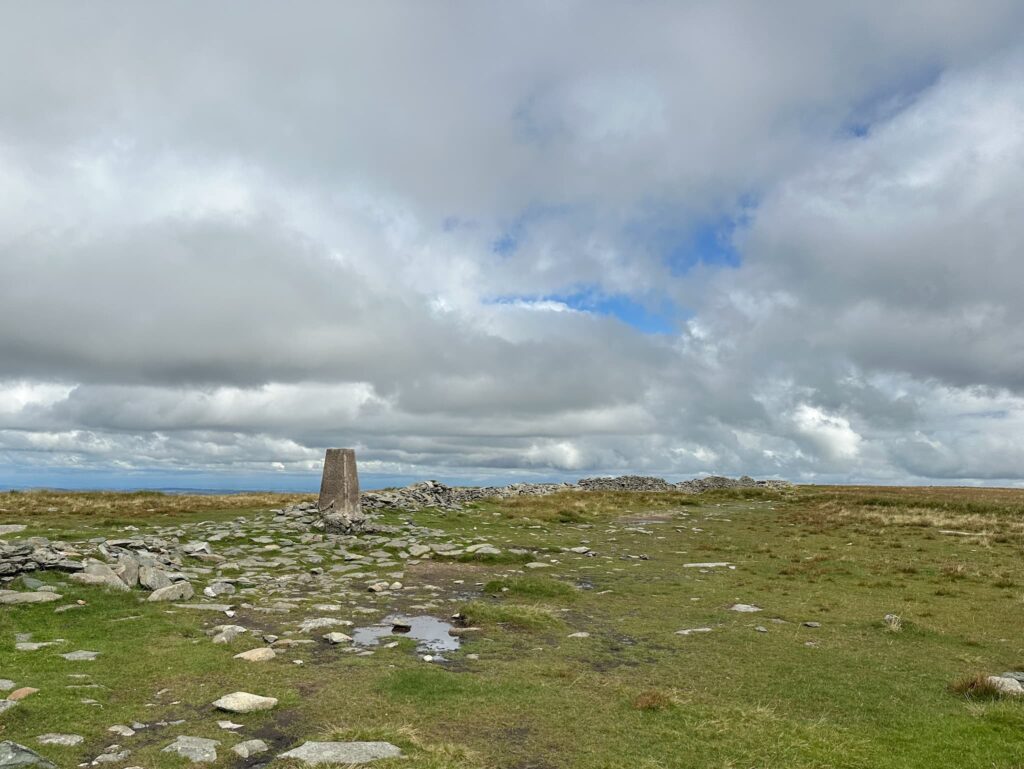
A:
436	494
433	494
35	553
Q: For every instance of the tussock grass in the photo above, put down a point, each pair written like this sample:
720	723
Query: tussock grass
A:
652	699
996	512
504	557
976	686
582	507
530	587
512	616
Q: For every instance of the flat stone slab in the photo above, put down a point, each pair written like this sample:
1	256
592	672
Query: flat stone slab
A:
81	655
708	565
315	753
244	702
221	607
692	630
744	608
10	597
15	756
12	528
198	750
34	646
67	740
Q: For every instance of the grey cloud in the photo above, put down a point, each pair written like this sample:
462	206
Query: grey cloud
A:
222	229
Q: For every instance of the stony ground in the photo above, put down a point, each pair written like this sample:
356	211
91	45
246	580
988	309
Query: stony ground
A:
750	628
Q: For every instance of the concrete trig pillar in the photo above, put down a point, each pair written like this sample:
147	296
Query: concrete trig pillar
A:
339	486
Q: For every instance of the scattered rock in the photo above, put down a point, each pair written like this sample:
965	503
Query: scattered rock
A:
337	638
244	702
693	630
261	654
1006	685
179	591
250	748
744	608
22	693
121	730
315	753
196	749
227	633
215	589
320	622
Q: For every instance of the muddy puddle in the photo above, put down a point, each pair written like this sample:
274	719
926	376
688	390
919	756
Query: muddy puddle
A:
430	633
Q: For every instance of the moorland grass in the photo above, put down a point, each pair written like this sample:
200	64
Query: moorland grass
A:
858	691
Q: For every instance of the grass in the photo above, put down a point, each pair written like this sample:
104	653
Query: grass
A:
858	691
65	512
511	616
538	588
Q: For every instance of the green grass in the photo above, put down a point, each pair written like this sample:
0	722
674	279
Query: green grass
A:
530	588
854	692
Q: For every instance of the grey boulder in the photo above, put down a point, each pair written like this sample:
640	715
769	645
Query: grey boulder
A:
15	756
244	702
152	578
179	591
250	748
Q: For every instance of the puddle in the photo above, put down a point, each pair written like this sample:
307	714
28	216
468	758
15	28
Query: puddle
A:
430	632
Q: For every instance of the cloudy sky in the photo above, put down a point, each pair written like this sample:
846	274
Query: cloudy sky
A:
490	241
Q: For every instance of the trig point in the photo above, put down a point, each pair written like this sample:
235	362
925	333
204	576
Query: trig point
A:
339	501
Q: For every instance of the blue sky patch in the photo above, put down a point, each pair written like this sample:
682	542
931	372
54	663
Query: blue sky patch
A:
661	317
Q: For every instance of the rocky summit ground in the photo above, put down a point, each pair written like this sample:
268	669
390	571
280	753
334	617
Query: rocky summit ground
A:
743	627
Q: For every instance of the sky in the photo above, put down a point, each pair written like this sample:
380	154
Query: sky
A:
488	242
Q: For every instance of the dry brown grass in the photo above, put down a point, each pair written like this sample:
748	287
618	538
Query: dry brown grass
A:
652	699
577	506
55	506
976	686
985	512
